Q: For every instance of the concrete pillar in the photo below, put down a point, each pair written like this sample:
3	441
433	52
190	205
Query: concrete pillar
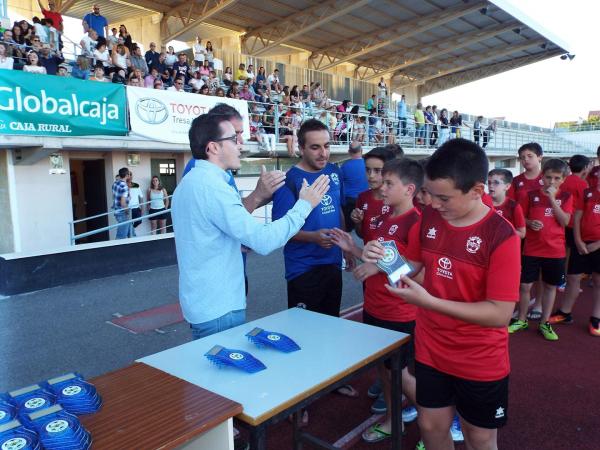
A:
143	30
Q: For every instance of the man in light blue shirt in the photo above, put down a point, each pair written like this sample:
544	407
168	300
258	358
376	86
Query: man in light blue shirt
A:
211	224
401	112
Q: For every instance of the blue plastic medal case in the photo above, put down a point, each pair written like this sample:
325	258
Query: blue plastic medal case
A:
239	359
278	341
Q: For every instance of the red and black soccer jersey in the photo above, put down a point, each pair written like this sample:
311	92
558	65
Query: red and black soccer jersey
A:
593	178
372	209
575	186
512	212
520	185
549	242
404	231
590	220
467	264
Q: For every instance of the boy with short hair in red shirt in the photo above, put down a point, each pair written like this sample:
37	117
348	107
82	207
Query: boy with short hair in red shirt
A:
499	182
402	179
369	204
585	258
472	264
530	156
547	213
593	178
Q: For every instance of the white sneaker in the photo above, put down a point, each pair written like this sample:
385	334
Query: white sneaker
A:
456	430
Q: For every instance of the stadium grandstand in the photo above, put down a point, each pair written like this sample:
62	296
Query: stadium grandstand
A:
110	91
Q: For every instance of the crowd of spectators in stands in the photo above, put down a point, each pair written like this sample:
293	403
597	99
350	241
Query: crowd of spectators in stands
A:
277	111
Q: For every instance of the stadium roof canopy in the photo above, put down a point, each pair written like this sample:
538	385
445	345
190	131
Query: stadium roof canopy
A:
434	44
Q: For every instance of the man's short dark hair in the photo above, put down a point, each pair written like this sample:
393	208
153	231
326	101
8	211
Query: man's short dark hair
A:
505	174
555	165
395	149
407	170
205	128
123	172
354	148
578	163
532	147
307	127
459	160
380	153
223	109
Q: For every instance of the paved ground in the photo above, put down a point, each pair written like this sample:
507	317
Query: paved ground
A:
63	329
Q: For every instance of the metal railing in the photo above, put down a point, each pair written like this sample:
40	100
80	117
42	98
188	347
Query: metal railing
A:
75	237
575	127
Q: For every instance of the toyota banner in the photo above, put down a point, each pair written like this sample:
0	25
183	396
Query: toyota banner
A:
166	116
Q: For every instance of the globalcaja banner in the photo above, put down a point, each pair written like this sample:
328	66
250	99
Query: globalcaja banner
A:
166	116
48	105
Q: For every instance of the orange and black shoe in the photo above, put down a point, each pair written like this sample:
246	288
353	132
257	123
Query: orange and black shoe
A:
594	326
560	317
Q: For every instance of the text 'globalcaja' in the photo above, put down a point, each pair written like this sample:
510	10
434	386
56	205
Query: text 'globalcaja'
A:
14	100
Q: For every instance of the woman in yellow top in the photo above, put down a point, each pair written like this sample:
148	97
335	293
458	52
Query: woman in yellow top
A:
241	73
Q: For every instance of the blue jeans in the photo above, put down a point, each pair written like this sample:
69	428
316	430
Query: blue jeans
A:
122	230
229	320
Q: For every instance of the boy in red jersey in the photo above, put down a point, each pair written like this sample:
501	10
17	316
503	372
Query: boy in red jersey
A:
547	213
593	177
530	156
585	258
402	178
472	264
369	204
499	181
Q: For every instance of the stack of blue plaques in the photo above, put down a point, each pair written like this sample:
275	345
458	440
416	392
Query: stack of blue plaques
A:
239	359
30	399
59	430
14	436
74	394
278	341
8	412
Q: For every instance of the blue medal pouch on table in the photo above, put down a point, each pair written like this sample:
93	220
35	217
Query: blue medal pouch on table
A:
393	263
30	399
278	341
74	394
57	429
239	359
13	435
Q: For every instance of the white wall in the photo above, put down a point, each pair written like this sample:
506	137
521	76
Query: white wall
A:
43	205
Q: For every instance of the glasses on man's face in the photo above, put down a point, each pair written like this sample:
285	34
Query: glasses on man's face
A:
233	139
179	83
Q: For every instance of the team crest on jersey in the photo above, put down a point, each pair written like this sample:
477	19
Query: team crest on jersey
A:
334	177
536	199
365	206
500	212
393	229
548	212
473	244
431	233
380	239
597	209
520	183
385	209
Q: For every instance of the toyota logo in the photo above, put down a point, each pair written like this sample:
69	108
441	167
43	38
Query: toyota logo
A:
326	200
445	263
151	110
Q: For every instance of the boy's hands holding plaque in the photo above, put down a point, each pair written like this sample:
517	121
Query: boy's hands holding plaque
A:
412	292
393	263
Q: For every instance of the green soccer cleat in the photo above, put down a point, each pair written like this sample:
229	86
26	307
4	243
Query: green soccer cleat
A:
548	332
420	446
518	325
